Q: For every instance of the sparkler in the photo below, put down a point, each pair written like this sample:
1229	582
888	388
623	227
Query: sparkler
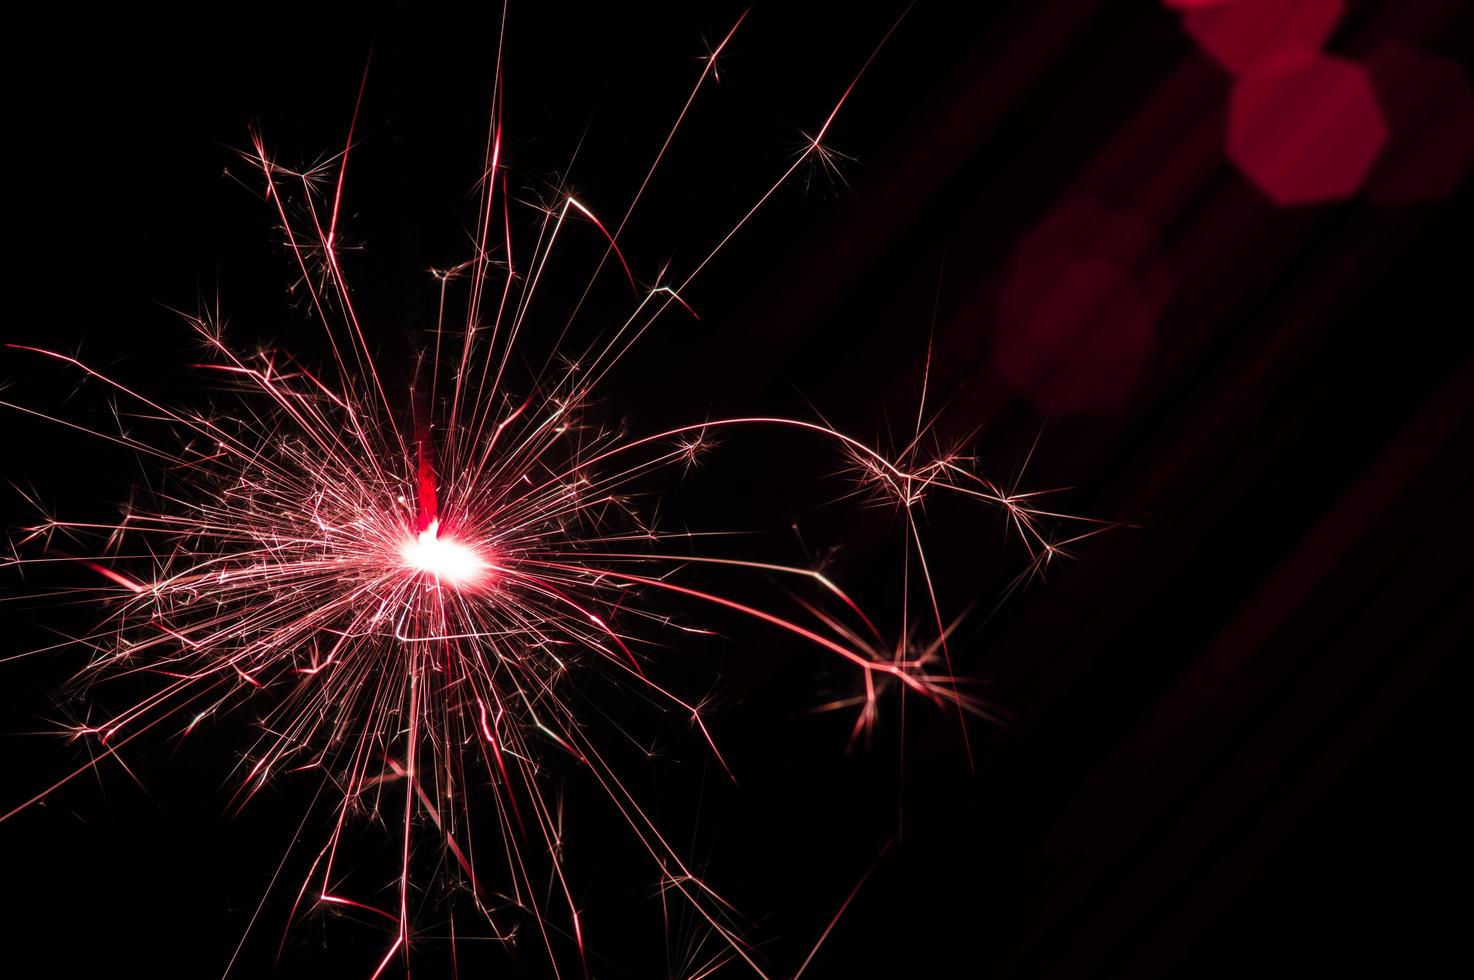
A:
409	599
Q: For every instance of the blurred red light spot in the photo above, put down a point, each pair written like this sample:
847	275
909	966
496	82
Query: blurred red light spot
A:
1246	34
1306	129
1073	334
1429	105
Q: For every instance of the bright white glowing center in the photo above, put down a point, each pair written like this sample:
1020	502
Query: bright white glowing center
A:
444	558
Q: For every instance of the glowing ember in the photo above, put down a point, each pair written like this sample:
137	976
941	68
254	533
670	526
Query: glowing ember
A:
445	558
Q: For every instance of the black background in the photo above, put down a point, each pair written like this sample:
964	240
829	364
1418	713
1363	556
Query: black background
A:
1237	736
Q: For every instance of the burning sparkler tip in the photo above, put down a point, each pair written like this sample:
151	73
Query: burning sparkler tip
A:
448	560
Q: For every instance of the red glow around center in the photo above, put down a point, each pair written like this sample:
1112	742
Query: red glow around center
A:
445	558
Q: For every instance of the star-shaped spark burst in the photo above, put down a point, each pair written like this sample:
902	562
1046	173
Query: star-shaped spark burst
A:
407	598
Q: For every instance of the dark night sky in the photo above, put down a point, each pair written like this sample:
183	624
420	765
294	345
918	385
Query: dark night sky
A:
1237	726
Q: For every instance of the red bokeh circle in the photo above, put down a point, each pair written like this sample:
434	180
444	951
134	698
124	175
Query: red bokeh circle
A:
1073	333
1247	34
1429	105
1306	129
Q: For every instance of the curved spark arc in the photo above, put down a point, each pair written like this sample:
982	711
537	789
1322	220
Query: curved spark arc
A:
413	604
